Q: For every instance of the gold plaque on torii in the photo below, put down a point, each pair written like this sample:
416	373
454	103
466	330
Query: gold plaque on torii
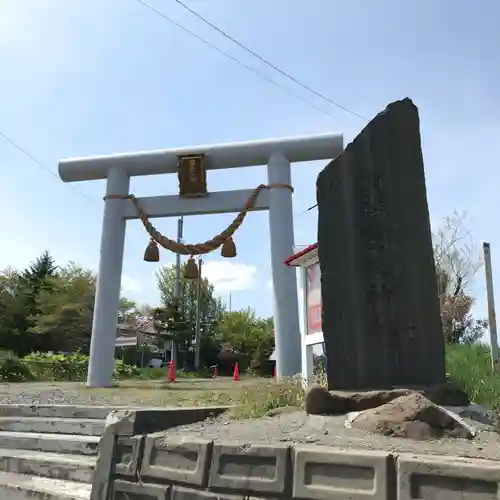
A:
192	175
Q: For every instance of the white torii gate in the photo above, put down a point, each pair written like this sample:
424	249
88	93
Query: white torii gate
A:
117	170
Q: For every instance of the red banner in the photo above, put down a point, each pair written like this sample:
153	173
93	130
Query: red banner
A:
313	299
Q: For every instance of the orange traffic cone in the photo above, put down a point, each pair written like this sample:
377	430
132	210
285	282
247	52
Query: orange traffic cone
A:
215	372
171	372
236	374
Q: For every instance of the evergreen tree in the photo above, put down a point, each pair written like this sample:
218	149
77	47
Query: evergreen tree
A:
36	278
37	272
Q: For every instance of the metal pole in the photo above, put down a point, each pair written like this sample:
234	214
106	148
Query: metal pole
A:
177	284
197	337
177	289
490	298
230	302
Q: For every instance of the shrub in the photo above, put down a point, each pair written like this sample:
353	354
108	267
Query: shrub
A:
469	366
58	367
125	371
12	369
150	373
69	367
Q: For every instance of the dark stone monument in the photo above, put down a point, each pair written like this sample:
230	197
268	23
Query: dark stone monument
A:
381	318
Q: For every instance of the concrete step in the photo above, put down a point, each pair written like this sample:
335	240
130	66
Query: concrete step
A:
23	487
81	426
78	468
55	443
55	411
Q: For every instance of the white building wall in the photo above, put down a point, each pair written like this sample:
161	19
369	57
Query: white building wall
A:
310	343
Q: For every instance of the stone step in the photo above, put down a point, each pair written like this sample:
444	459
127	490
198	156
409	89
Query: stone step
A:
78	468
82	426
23	487
55	443
55	411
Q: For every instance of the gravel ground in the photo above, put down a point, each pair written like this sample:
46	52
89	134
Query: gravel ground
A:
58	396
129	392
298	427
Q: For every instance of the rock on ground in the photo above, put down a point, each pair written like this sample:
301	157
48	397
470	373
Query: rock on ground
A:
413	416
474	412
320	401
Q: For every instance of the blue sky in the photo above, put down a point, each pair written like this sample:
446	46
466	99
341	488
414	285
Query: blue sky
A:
84	77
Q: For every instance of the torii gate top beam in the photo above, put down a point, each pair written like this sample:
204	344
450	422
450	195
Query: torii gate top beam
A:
219	156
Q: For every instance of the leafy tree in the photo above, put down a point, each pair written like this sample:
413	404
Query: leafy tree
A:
49	308
211	308
127	311
241	332
64	320
250	337
171	324
66	308
14	311
457	263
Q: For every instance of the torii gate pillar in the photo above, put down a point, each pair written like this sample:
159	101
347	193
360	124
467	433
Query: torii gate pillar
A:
285	294
117	170
107	299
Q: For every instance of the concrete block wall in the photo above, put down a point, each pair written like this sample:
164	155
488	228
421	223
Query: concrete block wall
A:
121	446
153	467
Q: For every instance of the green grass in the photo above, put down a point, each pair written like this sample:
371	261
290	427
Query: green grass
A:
469	366
255	404
149	373
250	397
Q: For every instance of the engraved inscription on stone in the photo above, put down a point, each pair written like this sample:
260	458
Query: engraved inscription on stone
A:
375	235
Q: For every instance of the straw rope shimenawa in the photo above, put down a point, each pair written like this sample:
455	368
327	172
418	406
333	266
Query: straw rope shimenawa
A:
224	239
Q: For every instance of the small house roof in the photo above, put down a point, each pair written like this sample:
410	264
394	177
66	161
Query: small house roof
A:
304	258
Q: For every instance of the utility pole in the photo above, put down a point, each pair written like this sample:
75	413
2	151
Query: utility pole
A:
230	296
490	299
177	284
197	336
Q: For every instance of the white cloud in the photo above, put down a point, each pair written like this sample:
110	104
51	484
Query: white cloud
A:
229	277
130	285
270	284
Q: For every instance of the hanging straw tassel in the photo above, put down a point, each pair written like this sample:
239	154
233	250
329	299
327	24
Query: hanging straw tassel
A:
152	253
191	270
228	249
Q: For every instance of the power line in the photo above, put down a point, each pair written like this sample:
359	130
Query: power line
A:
268	63
234	59
250	51
41	165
